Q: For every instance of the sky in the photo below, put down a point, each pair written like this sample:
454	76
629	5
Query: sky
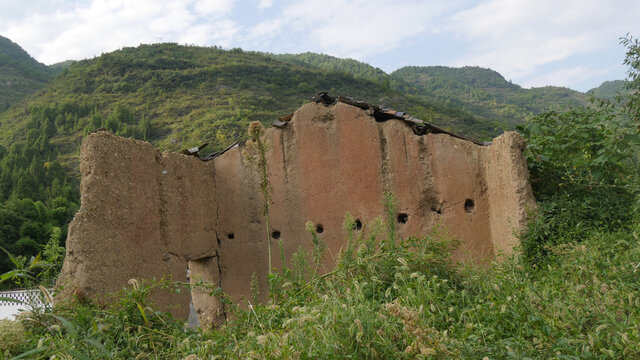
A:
533	43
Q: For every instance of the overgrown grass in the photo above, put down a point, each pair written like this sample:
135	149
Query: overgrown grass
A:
387	298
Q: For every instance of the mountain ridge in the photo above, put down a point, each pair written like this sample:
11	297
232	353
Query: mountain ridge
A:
20	74
609	89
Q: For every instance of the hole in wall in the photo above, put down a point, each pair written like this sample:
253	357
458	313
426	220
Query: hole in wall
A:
319	229
230	236
357	225
403	218
469	205
379	118
275	234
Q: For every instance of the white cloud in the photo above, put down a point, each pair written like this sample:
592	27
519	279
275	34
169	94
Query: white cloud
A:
359	28
265	30
213	7
12	10
515	37
220	33
90	28
265	4
524	40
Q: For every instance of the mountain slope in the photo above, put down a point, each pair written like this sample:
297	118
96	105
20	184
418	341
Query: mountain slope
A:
185	95
609	90
20	74
483	92
477	92
326	62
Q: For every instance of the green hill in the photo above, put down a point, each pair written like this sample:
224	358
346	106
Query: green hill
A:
609	90
326	62
20	74
483	92
184	95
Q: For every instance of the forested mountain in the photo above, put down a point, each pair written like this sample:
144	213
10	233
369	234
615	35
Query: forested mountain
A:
609	89
483	92
184	94
356	68
20	74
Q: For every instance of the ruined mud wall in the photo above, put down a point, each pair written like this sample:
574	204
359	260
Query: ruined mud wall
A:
332	160
164	210
143	215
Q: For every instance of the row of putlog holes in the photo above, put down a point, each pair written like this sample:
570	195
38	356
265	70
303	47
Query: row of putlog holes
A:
357	225
402	218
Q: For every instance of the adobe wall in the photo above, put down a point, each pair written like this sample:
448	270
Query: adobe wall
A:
138	221
143	215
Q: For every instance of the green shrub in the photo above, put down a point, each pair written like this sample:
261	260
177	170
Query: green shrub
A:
584	171
585	168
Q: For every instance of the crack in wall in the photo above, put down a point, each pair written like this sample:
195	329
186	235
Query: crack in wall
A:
429	194
387	182
163	204
224	311
283	151
217	217
404	145
219	242
289	161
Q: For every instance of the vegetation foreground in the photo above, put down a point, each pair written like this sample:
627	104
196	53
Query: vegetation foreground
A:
395	298
571	292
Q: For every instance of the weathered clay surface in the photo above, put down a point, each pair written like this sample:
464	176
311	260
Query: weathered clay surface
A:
144	215
509	190
137	221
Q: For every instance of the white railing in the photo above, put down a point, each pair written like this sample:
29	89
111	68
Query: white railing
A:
30	298
27	299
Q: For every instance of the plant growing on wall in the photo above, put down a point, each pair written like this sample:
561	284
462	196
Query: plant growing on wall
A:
255	156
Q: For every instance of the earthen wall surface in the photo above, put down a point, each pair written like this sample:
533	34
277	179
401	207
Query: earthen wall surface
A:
145	214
